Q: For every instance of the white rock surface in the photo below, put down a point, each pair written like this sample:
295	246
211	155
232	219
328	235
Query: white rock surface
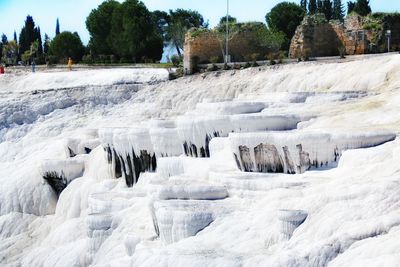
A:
353	209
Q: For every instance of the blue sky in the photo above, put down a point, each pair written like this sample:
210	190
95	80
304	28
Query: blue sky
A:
72	13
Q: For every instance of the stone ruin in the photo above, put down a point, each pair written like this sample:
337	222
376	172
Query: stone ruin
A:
317	37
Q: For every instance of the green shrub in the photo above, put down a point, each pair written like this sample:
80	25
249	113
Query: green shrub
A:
212	67
237	66
247	58
247	65
254	57
177	60
175	75
87	59
226	67
215	59
281	56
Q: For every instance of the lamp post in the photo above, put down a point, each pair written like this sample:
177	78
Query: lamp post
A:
227	33
388	35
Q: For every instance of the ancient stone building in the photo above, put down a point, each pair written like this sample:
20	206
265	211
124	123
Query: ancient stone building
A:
316	37
201	45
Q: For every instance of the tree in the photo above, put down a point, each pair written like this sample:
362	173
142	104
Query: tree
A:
312	7
161	19
46	44
222	21
4	39
303	4
27	35
10	53
350	7
362	7
269	40
285	17
57	27
3	43
32	53
38	39
133	33
98	24
338	10
181	21
320	6
15	37
327	9
65	45
222	36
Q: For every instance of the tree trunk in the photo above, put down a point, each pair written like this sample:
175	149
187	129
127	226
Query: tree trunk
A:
178	50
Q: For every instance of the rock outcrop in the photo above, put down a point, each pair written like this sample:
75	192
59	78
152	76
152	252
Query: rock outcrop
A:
317	37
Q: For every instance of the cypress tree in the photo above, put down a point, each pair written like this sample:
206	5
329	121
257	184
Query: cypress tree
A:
15	37
3	42
338	10
362	7
38	37
4	39
46	44
303	4
320	6
327	9
57	27
350	7
27	35
312	7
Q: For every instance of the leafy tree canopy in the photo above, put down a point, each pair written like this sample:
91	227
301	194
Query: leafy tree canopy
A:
65	45
133	34
98	24
362	7
231	19
180	21
285	17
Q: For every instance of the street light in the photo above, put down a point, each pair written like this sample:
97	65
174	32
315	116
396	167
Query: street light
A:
227	33
388	35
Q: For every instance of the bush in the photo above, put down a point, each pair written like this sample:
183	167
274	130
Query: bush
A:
272	62
215	60
247	58
51	60
254	57
87	59
237	66
271	56
175	75
177	60
226	67
247	65
212	67
124	60
281	57
25	57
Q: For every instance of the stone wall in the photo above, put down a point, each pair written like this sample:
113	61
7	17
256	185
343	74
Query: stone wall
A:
316	37
203	45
